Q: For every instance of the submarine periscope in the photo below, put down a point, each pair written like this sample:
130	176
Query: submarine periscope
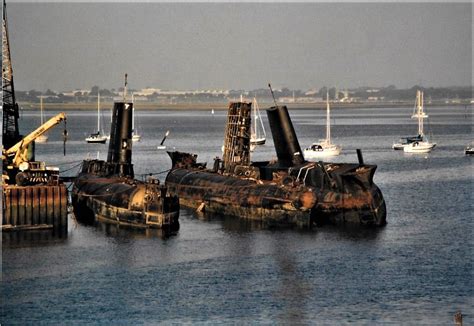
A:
107	191
289	191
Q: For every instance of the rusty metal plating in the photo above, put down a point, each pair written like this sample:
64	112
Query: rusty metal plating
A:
288	192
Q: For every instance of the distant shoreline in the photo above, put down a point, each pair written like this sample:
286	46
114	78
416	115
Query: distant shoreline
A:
224	106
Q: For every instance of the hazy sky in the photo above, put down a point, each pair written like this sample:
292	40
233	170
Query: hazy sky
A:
239	45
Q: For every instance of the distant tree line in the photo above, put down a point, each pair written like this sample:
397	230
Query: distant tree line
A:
389	93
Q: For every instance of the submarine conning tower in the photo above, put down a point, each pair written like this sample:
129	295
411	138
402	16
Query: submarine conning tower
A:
286	143
119	158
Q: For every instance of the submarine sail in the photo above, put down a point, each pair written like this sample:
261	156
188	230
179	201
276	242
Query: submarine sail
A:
107	191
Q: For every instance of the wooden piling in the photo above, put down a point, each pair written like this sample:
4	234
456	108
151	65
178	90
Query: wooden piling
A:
63	202
21	206
34	207
49	206
36	202
7	216
13	205
28	205
56	207
42	204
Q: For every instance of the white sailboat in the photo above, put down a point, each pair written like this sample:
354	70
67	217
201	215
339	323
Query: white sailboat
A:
43	138
405	141
423	145
97	137
469	149
258	134
135	135
323	148
417	113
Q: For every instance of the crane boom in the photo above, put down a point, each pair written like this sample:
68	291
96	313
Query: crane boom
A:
20	149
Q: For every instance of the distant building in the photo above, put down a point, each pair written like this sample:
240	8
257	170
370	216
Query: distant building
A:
81	92
375	98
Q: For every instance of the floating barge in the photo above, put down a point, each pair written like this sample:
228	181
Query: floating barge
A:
287	192
106	191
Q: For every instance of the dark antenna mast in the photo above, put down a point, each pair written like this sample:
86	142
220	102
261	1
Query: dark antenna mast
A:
125	88
273	95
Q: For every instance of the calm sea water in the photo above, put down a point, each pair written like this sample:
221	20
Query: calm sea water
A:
416	270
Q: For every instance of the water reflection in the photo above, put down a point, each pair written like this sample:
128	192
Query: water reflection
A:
34	238
229	223
292	287
120	231
242	225
354	232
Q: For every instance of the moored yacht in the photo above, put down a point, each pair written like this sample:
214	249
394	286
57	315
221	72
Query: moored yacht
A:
405	141
258	135
324	147
423	145
97	137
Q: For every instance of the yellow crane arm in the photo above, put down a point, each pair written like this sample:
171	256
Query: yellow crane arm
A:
20	148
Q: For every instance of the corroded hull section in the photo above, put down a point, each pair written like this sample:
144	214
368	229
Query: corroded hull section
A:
350	196
289	201
125	202
246	198
289	191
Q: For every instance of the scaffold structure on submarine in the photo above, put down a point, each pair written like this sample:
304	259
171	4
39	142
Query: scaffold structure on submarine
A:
289	191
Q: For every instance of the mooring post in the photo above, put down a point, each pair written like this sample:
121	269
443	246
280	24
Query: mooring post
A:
360	157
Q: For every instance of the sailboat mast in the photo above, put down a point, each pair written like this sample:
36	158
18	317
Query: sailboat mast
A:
260	117
255	117
41	108
98	112
328	124
133	113
420	112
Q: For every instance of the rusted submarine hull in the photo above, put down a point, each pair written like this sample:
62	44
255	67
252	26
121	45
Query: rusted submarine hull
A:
118	202
246	198
286	192
286	203
349	196
106	191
